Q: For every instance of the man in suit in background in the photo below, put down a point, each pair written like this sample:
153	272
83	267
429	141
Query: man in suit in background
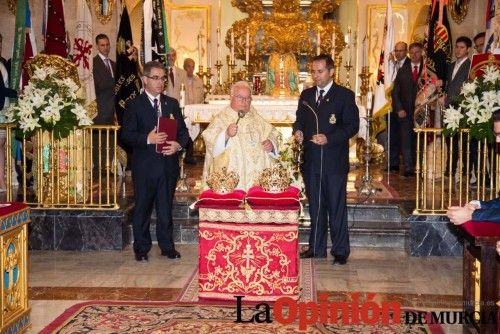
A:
479	42
176	76
403	106
399	58
154	174
327	116
104	81
457	73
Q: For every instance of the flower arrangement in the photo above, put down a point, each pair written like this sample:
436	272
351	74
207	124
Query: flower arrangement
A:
288	156
50	103
475	105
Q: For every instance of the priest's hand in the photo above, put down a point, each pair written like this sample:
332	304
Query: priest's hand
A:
459	215
319	139
156	137
231	130
402	113
267	145
299	136
171	148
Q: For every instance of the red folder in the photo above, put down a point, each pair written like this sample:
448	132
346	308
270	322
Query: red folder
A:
168	126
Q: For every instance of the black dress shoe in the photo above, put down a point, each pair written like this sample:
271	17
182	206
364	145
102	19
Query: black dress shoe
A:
139	257
339	259
394	169
309	254
171	254
409	174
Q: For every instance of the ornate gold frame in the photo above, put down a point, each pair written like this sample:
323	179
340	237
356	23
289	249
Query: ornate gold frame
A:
459	10
103	18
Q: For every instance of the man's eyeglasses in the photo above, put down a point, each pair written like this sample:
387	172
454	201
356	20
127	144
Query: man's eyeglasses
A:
156	78
243	99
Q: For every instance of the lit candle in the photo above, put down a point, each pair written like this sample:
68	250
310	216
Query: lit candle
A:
247	51
334	36
318	43
231	59
218	42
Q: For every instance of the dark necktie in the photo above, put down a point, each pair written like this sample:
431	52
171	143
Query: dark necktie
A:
415	72
320	97
171	75
156	107
108	66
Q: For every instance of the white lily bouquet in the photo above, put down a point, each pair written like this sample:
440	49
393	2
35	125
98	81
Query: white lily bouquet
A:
48	103
475	105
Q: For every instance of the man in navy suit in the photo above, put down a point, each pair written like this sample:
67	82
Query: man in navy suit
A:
154	174
479	210
403	107
327	116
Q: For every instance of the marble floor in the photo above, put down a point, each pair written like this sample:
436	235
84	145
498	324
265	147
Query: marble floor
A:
58	280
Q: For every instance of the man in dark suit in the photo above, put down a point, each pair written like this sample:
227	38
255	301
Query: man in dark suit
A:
154	174
104	70
457	73
403	107
327	116
400	59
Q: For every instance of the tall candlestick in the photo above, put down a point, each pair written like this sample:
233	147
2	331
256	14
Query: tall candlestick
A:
218	42
231	59
247	48
318	43
369	100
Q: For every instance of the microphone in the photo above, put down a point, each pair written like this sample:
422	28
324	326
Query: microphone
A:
241	114
314	113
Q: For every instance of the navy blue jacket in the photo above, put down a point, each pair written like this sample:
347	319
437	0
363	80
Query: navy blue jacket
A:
490	211
338	120
138	120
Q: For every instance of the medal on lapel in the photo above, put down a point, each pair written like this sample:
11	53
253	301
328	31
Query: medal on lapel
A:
332	119
171	116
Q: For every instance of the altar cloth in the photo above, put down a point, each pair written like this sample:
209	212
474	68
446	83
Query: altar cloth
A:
248	252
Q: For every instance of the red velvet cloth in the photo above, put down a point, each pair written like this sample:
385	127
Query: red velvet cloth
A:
12	207
482	229
257	196
258	261
209	197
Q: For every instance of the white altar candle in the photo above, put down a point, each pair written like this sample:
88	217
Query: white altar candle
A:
369	100
334	36
231	58
247	51
218	42
209	53
364	56
318	43
199	49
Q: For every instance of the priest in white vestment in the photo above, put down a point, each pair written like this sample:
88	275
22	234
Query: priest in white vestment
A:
239	139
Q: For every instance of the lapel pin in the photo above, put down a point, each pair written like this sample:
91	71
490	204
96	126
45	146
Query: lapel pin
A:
332	119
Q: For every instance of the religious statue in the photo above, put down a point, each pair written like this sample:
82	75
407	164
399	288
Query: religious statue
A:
282	75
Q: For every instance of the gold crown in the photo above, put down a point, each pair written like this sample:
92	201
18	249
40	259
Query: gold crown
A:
274	179
222	181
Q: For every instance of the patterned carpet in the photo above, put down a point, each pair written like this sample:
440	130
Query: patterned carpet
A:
176	317
188	315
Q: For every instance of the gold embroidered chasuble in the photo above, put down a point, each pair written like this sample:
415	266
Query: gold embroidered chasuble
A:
244	153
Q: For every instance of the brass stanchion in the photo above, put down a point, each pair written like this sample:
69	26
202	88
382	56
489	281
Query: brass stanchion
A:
367	187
